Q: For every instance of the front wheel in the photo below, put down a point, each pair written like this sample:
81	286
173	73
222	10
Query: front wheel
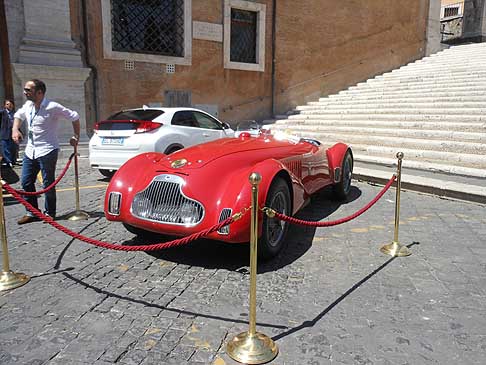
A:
342	188
274	230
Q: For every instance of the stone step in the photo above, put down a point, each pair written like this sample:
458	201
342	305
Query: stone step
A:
462	160
427	74
473	108
394	103
402	142
421	83
430	134
424	88
282	124
407	162
392	117
472	96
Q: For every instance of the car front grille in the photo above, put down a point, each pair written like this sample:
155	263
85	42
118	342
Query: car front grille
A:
163	201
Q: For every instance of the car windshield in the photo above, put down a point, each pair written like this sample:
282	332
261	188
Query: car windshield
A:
138	114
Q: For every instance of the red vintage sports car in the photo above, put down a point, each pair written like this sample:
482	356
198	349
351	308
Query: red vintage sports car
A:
198	187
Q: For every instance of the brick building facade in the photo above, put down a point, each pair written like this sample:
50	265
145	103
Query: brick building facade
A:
234	58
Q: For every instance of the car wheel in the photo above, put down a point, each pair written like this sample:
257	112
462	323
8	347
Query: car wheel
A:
107	173
274	230
342	188
172	150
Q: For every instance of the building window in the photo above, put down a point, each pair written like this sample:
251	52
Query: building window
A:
147	30
244	35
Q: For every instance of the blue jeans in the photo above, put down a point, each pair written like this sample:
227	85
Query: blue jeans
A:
30	168
8	147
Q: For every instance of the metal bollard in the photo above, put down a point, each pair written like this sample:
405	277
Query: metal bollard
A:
395	248
252	347
78	214
8	279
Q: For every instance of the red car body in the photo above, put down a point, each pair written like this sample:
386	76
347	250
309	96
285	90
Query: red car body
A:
214	177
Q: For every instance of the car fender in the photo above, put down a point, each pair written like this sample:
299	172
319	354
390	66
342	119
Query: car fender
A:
239	186
123	181
335	156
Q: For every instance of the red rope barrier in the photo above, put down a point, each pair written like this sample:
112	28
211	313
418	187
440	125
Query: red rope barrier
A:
154	247
288	219
61	175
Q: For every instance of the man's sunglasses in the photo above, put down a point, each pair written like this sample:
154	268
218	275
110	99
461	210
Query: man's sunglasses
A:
27	90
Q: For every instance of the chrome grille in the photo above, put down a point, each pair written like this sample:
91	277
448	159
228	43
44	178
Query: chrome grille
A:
163	201
225	213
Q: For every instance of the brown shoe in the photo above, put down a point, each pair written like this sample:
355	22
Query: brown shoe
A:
27	219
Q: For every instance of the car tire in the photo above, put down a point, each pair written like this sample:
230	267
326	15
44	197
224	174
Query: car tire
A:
107	173
274	231
172	150
342	188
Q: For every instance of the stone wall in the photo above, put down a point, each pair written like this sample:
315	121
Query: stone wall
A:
321	48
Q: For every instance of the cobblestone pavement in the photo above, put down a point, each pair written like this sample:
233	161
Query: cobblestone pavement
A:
330	298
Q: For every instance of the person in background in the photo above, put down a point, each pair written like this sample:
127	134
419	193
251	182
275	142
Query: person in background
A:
6	123
42	117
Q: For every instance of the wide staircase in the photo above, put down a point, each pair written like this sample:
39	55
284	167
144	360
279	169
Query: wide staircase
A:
433	110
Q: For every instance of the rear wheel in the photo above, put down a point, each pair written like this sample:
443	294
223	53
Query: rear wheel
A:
342	188
172	150
107	173
274	230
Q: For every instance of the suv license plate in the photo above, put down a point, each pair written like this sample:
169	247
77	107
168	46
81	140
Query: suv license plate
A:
112	141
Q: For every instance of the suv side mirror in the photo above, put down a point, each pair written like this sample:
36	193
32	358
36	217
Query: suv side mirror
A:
226	126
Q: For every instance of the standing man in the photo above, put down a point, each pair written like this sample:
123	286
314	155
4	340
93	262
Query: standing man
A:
42	117
6	124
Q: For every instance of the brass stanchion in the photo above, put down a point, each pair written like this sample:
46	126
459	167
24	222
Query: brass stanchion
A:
8	278
395	248
252	347
78	214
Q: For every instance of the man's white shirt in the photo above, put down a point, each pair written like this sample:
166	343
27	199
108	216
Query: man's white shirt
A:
42	125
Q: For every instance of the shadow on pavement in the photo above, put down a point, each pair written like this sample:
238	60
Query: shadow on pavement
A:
236	257
312	322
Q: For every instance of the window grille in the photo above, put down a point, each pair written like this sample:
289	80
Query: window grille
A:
451	12
243	36
148	26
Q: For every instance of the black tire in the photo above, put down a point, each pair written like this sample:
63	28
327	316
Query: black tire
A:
172	150
342	188
107	173
138	231
274	230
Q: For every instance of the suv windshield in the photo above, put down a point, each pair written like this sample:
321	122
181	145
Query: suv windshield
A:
138	114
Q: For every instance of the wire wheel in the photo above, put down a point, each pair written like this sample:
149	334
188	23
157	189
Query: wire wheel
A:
274	230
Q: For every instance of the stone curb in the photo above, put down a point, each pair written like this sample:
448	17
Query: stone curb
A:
442	188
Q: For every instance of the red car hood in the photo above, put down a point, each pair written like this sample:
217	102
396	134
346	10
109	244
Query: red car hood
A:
200	155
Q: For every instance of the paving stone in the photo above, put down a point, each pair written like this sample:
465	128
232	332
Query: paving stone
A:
330	297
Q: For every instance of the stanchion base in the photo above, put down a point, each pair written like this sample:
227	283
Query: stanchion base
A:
11	280
252	349
78	215
395	249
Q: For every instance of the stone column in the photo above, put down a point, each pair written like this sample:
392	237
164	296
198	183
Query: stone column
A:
47	52
433	28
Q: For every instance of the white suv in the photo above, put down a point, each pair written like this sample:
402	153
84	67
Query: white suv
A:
131	132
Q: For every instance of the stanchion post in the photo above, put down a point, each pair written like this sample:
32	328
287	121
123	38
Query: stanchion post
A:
78	214
8	278
395	248
252	347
